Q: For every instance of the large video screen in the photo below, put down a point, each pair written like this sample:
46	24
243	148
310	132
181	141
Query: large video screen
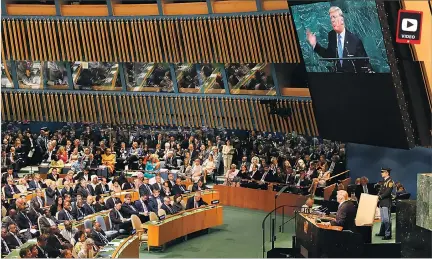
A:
341	36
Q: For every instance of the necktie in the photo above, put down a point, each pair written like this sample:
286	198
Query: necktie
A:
148	188
38	185
68	215
51	222
25	216
340	49
170	210
181	188
103	188
18	240
132	207
91	207
12	189
195	204
102	238
365	190
5	246
120	215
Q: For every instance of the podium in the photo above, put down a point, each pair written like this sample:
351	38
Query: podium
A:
317	240
355	64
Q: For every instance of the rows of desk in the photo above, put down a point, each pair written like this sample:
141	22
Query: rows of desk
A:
258	199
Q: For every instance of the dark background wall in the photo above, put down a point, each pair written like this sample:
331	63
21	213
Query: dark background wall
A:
365	160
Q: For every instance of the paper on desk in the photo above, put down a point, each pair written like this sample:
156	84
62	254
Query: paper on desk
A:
366	210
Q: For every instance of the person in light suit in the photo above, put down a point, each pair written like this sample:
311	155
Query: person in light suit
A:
341	44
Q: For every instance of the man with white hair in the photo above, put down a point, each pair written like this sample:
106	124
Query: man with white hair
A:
346	213
341	44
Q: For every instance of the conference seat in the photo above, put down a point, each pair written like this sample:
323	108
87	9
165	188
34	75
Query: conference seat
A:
189	188
88	224
183	203
139	230
111	234
161	212
153	216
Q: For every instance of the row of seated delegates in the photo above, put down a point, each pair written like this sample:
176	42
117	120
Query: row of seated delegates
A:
263	174
92	148
37	214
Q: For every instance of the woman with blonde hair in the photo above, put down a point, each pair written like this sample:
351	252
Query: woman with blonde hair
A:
227	153
208	166
62	154
87	249
254	161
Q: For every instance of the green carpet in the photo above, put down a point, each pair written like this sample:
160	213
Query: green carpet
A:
240	236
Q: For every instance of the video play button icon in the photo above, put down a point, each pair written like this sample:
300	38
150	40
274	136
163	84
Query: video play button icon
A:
409	25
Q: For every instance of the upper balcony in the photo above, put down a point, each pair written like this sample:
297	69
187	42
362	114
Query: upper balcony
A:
100	8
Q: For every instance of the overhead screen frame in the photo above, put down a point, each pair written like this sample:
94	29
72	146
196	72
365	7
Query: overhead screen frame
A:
405	129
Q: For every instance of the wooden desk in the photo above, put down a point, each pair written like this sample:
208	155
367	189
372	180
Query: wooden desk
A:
207	195
182	224
121	248
258	199
317	240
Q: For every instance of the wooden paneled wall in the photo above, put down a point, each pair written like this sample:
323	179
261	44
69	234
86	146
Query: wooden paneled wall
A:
241	39
232	113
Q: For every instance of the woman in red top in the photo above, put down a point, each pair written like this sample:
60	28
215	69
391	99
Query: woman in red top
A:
62	154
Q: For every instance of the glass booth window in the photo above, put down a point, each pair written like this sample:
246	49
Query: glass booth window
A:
148	77
251	78
187	77
29	74
101	76
56	75
211	79
6	77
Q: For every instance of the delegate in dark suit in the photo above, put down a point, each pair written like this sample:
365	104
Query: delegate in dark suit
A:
191	203
110	202
352	47
345	216
10	190
368	188
12	241
153	204
99	238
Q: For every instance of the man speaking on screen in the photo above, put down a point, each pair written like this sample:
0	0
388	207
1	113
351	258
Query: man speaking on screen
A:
341	44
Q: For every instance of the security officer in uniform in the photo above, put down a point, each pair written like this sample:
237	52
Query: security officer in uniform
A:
385	203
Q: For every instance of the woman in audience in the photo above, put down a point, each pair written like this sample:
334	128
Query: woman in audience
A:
57	206
196	171
56	162
243	176
177	203
254	161
179	152
34	251
69	177
227	153
115	186
322	163
62	154
230	175
323	177
153	164
209	166
108	159
22	185
80	238
74	156
87	249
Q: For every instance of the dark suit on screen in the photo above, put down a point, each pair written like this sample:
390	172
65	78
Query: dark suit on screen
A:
352	47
